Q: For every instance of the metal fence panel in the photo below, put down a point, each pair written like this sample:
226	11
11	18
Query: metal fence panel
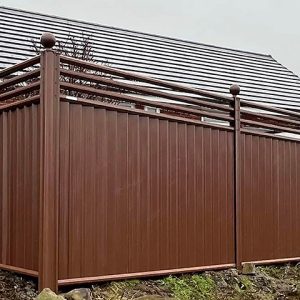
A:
19	187
270	198
139	194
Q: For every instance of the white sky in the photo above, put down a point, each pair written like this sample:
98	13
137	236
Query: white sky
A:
264	26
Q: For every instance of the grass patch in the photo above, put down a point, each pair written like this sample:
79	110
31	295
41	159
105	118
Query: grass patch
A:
274	271
246	284
190	287
118	289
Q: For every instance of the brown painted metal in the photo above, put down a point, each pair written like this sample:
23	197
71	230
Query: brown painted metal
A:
271	135
20	66
49	170
19	103
280	120
144	194
143	90
19	172
19	78
287	112
270	126
275	261
135	76
94	191
161	116
19	91
85	280
140	100
237	185
26	272
270	198
19	177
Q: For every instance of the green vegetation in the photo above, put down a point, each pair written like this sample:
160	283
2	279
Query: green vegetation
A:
274	271
119	289
190	287
243	288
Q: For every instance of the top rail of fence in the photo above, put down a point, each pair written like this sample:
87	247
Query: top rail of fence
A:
94	82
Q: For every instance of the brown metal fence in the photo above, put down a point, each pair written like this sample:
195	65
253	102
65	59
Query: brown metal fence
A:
19	165
270	205
97	184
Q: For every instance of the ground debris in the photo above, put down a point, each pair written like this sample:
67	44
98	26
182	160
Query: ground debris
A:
16	287
281	282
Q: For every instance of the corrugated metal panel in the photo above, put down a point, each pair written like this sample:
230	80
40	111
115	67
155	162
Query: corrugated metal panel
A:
139	194
270	198
207	67
19	186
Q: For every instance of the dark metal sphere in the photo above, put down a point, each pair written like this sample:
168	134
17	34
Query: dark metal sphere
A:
48	40
234	89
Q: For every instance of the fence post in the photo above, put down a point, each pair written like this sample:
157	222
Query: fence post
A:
235	90
49	168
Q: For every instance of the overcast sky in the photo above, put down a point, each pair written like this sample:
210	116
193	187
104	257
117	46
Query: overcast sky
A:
264	26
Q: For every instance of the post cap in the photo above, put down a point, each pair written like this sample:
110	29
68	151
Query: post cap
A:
235	89
48	40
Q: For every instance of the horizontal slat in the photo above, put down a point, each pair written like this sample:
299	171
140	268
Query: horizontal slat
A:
274	261
210	68
270	108
19	270
19	103
248	92
270	117
142	274
163	116
20	91
147	91
142	78
269	126
20	66
269	135
139	100
272	89
19	78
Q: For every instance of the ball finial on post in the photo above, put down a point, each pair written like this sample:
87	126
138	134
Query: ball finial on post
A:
48	40
234	90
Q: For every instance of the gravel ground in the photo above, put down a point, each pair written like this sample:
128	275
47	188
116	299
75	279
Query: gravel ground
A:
16	287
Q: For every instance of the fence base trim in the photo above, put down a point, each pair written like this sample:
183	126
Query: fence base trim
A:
141	274
19	270
273	261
